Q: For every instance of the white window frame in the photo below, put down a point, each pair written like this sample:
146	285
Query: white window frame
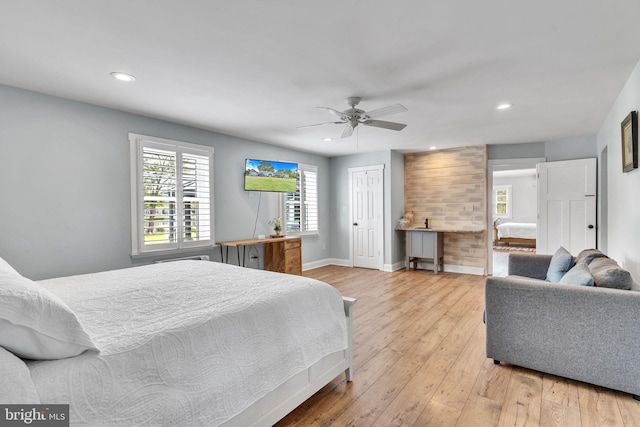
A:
302	169
137	143
508	188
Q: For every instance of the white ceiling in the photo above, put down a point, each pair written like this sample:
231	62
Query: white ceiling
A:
257	69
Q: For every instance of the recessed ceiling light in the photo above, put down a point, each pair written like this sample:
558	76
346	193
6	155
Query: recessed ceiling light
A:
504	106
328	139
433	147
123	77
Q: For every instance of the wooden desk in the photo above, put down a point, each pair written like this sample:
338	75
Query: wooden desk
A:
281	254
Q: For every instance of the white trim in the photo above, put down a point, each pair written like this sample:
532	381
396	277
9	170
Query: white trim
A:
492	165
509	202
325	262
380	231
365	168
136	148
452	268
302	167
394	267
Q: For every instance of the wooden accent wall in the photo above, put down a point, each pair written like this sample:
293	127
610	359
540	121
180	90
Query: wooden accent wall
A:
443	186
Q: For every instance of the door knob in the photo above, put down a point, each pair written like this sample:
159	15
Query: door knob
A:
355	223
590	226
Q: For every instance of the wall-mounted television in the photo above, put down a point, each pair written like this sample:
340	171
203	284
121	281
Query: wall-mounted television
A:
269	175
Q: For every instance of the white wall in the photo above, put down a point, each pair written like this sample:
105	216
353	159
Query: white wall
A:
524	195
64	185
623	226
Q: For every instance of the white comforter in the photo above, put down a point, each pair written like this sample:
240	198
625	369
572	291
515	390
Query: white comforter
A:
521	230
187	343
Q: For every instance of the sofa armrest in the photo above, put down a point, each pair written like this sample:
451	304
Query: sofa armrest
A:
585	333
529	265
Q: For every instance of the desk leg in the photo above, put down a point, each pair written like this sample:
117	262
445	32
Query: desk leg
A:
407	253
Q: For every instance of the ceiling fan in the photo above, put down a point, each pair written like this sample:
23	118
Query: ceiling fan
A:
353	116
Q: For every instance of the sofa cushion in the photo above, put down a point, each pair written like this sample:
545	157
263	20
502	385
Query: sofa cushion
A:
560	263
578	275
588	255
608	274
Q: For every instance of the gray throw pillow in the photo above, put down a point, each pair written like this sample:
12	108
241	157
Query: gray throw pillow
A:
588	255
560	263
608	274
578	275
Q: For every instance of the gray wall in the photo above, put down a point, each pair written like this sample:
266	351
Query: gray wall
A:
393	202
524	194
65	191
563	149
623	210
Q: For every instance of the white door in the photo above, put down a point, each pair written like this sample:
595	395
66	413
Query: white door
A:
366	216
566	206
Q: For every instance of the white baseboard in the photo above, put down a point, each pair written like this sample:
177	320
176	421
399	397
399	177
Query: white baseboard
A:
451	268
478	271
393	267
324	262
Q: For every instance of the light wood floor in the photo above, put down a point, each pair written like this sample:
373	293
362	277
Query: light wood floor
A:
419	361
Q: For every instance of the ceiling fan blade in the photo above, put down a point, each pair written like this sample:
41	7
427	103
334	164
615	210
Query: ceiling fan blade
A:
347	132
385	125
332	111
386	111
319	124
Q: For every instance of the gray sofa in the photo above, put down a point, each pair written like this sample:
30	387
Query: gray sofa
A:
586	333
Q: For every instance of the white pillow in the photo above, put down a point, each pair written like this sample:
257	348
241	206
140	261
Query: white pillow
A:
35	324
15	381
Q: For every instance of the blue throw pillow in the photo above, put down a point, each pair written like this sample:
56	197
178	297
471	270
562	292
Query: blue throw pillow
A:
560	263
578	275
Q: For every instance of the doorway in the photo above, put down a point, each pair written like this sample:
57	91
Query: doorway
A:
518	176
366	192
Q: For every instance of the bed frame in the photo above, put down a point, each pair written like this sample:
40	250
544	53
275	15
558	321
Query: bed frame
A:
278	403
507	240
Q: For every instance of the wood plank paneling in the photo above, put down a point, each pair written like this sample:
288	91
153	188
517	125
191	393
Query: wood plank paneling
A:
441	186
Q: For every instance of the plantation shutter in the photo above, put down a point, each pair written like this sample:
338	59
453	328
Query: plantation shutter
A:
173	195
301	207
310	189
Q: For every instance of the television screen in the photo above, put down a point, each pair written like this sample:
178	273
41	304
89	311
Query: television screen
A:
267	175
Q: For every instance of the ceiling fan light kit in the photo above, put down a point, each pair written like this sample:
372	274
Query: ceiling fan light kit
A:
352	117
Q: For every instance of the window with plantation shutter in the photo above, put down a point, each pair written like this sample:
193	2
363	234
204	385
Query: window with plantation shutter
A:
172	195
301	207
502	201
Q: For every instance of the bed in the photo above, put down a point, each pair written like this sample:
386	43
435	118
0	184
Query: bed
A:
177	343
520	233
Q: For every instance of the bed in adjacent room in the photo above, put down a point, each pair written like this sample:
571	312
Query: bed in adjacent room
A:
177	343
519	233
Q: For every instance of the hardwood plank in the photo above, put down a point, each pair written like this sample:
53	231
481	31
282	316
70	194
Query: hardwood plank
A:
599	407
560	390
479	411
523	399
492	381
629	409
438	414
557	415
420	360
456	387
